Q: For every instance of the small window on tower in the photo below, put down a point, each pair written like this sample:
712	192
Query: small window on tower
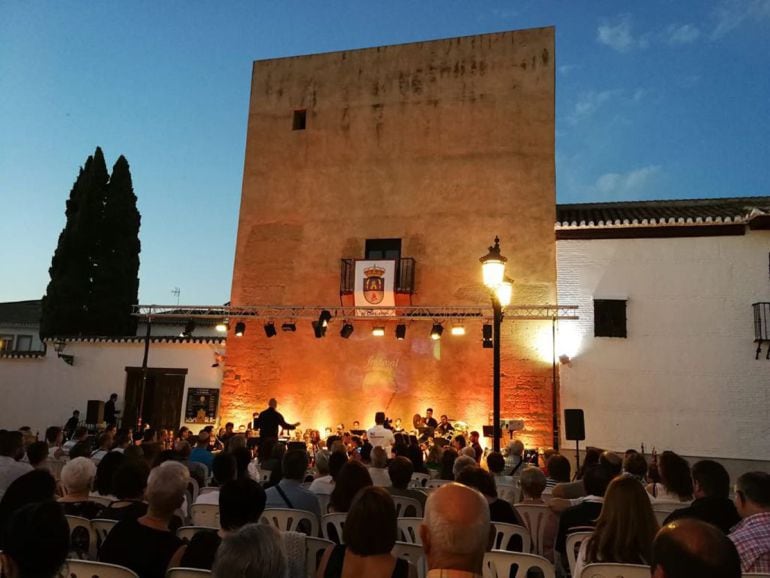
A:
610	318
383	249
300	120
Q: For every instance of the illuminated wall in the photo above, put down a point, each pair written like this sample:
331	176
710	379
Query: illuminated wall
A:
442	144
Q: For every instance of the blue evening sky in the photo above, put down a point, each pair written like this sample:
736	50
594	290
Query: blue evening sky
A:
656	99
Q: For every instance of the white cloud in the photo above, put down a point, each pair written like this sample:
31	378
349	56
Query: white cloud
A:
565	69
731	14
589	103
633	184
684	34
617	36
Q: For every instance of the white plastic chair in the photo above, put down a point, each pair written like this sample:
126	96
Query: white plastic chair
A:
574	540
535	517
409	530
289	520
207	489
407	507
205	515
412	553
102	527
602	570
88	569
187	573
187	532
80	522
436	483
314	549
323	502
419	481
101	500
504	533
498	564
335	522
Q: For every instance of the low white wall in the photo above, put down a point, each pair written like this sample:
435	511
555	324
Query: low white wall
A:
45	391
686	377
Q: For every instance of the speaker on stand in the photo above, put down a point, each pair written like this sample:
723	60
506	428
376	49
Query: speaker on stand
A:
575	429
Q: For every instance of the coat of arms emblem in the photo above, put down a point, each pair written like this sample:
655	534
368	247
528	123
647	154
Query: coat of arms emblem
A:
374	284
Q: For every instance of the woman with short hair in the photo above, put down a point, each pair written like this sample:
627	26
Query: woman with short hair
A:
369	535
676	480
254	551
77	477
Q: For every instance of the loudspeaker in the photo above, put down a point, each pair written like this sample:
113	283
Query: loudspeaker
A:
574	425
95	411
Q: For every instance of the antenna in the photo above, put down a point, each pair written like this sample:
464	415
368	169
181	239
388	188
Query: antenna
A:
176	291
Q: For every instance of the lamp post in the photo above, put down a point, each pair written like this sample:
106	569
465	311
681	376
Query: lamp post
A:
500	290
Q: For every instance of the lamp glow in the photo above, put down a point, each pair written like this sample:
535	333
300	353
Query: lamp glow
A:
504	292
378	331
493	266
458	330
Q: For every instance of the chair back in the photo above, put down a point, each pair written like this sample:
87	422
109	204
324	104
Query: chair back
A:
661	515
409	530
535	518
80	525
290	520
324	500
499	564
436	483
507	492
574	540
602	570
194	489
187	573
101	500
412	553
504	538
418	481
205	515
102	527
314	549
332	525
88	569
207	489
187	532
407	507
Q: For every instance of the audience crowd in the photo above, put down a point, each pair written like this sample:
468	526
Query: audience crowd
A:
679	520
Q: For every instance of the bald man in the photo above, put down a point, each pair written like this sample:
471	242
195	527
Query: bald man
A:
688	548
456	531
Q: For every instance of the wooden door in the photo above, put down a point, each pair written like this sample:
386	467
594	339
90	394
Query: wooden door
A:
163	397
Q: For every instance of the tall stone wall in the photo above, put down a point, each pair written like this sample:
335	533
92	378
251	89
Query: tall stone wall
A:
442	144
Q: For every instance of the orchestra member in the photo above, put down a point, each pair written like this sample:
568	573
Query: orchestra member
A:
444	427
429	420
379	435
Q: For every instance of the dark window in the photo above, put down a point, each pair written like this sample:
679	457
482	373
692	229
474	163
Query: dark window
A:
300	120
610	318
6	342
23	343
383	249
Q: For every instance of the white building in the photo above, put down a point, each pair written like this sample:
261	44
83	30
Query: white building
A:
675	282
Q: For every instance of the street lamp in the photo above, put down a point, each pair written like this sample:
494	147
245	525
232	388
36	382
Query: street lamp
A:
500	290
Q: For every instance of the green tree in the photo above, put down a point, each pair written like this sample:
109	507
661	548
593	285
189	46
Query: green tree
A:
94	271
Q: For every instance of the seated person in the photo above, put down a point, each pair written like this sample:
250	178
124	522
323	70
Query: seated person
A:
146	545
400	471
105	475
322	483
201	453
532	487
129	484
35	541
378	469
254	551
505	487
37	455
499	510
289	493
353	477
77	476
369	535
224	470
241	502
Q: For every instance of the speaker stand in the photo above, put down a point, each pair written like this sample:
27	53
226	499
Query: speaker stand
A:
577	457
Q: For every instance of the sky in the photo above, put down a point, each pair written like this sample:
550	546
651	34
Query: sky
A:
654	100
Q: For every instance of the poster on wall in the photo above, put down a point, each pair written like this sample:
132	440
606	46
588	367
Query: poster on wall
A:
202	405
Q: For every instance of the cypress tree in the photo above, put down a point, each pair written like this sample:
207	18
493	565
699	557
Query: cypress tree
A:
116	275
95	266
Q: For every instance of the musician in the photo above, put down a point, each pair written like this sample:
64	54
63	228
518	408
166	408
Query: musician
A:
379	435
444	427
429	420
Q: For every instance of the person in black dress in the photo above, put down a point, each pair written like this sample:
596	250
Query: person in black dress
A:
110	413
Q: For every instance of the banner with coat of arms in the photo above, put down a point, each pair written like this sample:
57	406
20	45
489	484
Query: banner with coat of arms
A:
375	284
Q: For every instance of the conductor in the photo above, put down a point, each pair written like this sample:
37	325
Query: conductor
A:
269	421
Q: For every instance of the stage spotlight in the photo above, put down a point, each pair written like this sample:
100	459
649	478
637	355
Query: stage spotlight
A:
486	334
270	329
346	331
400	331
289	327
188	329
324	318
458	329
318	329
240	329
436	332
222	327
378	331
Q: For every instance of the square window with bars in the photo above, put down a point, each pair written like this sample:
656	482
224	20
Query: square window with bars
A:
610	318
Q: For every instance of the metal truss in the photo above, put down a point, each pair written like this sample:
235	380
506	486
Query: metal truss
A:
422	313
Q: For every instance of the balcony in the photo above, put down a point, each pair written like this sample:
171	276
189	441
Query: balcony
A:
404	276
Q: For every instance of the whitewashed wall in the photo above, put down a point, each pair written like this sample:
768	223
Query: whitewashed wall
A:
44	391
686	377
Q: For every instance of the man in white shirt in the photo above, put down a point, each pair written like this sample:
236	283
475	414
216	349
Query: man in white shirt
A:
379	435
11	450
